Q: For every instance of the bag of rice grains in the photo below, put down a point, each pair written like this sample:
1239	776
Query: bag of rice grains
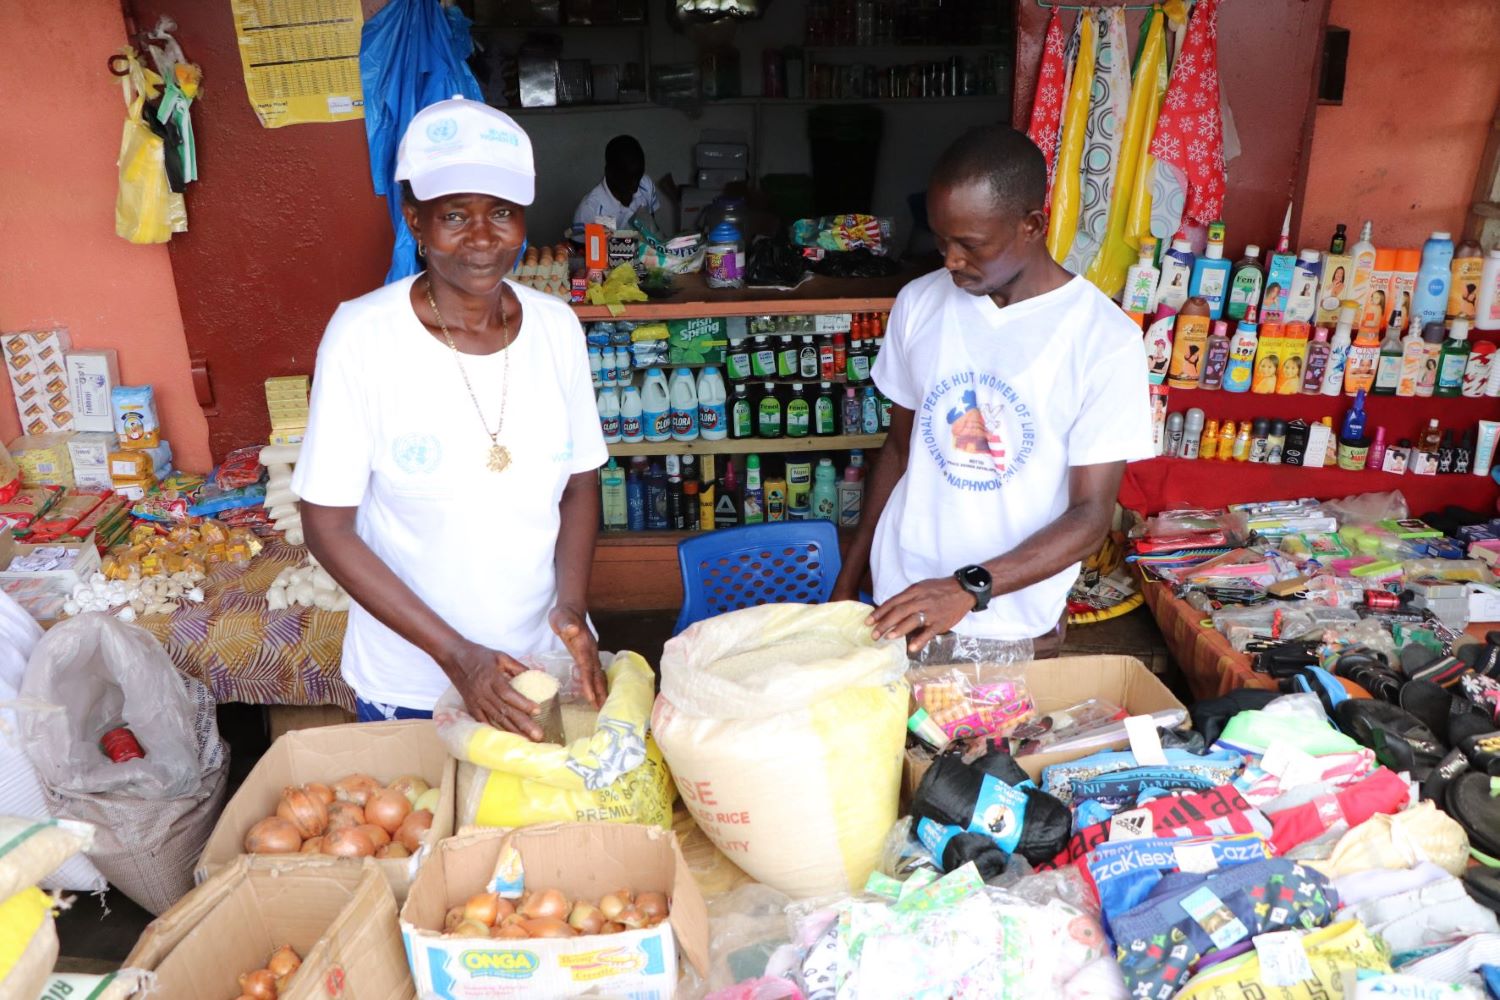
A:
784	726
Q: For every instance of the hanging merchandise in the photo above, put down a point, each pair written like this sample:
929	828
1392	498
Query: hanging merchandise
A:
1062	224
411	54
1051	89
183	80
1188	182
147	210
1108	101
1131	198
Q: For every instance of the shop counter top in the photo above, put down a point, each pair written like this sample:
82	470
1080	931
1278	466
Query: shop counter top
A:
1209	664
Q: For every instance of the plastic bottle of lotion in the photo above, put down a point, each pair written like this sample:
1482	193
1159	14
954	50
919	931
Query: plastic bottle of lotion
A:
851	491
1412	351
1302	303
1189	343
1216	357
1211	272
1377	450
1338	351
1363	253
1139	295
1245	284
1477	371
823	501
1378	292
1432	347
1279	274
612	502
1364	356
1429	298
1241	365
1403	285
712	416
1453	360
1176	275
1315	370
1487	305
1464	279
754	499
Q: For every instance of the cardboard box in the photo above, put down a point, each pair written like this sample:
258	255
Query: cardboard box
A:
92	376
383	750
1062	683
721	156
91	451
34	360
339	917
717	180
584	860
57	581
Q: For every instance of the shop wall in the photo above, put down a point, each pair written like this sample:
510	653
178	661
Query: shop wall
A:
60	261
1404	147
1268	58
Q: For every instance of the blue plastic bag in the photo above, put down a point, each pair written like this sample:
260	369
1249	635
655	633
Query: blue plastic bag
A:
411	54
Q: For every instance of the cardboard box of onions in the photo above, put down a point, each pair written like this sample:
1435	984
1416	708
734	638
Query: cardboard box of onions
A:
326	929
381	789
560	910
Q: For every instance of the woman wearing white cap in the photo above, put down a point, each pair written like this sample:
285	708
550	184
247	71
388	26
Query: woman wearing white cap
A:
447	476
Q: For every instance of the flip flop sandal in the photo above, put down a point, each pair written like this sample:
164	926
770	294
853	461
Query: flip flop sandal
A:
1469	801
1400	740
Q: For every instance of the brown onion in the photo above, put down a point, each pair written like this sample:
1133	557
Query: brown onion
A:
319	791
386	809
283	961
512	932
411	785
377	836
343	815
612	927
428	800
260	984
632	918
312	845
413	830
392	850
453	918
652	904
610	906
585	918
306	812
356	788
551	904
547	927
471	928
348	843
484	907
273	835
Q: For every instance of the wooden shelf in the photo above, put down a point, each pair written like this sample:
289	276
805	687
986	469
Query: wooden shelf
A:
693	298
746	446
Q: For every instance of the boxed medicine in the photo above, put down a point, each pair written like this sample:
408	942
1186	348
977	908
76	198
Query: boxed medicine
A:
92	377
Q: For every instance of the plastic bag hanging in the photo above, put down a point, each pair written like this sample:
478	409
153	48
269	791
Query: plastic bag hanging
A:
143	212
411	54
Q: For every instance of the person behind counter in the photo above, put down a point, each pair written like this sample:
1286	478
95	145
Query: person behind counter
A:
447	475
1019	393
624	191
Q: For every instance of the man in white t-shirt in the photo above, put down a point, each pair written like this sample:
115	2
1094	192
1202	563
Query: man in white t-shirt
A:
1019	392
625	189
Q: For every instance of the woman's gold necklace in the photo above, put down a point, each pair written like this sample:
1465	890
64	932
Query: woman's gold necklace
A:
499	456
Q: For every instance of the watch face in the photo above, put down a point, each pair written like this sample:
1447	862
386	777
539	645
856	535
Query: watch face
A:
975	576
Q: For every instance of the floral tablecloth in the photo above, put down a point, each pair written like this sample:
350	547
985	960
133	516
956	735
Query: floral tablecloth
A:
245	651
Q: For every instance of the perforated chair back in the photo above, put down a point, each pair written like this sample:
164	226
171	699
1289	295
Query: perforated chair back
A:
788	562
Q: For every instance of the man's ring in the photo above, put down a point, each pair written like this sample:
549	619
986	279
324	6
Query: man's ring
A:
922	618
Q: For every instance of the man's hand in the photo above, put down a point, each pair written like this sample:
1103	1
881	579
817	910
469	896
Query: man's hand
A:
571	627
482	677
923	610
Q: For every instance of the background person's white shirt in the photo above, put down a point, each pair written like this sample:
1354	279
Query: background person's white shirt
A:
601	201
1005	401
394	432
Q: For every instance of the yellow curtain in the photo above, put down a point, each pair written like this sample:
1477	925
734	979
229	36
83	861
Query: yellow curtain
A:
1062	225
1130	202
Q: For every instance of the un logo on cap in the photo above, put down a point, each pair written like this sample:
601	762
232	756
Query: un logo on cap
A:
442	130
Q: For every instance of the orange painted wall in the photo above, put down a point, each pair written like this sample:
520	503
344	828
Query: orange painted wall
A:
61	263
1404	146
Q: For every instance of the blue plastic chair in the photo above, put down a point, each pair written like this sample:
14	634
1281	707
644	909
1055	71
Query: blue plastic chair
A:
787	562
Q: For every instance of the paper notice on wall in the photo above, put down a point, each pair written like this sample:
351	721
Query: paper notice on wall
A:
301	59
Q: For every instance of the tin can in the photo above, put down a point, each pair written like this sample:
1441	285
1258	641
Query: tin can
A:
1382	600
120	745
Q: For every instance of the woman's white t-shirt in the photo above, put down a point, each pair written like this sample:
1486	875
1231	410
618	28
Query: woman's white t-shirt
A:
1005	401
393	432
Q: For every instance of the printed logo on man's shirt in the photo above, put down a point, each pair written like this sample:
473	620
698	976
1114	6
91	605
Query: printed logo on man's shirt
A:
978	430
417	454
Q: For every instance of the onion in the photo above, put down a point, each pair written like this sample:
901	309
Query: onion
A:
511	919
306	812
413	829
428	800
312	845
611	906
551	904
348	843
273	835
356	788
319	791
585	918
652	904
386	809
343	815
626	895
632	918
283	961
392	850
611	927
453	918
485	908
471	928
547	927
411	785
377	836
260	984
513	932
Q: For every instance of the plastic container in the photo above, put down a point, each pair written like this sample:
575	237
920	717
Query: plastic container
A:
1487	308
632	428
823	501
684	399
609	414
1429	298
713	424
722	257
656	406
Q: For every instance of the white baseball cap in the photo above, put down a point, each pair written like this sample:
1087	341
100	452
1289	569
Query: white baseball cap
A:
465	147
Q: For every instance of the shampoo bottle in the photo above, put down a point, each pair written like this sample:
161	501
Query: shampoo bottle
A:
1211	272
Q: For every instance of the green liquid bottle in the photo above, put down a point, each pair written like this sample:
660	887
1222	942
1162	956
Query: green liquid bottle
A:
1453	359
741	414
799	414
768	423
825	413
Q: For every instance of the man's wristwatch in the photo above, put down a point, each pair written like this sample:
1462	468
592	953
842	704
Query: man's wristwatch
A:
976	581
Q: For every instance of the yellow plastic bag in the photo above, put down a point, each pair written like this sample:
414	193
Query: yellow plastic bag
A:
28	943
1062	224
615	776
146	209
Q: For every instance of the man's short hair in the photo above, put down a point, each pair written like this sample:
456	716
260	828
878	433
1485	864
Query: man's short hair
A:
624	152
1000	157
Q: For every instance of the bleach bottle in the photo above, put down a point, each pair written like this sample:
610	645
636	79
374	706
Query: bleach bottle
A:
684	400
656	406
1429	298
609	414
713	422
632	430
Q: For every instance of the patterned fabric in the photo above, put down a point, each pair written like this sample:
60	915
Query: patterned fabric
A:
379	711
246	652
1190	129
1047	105
1109	98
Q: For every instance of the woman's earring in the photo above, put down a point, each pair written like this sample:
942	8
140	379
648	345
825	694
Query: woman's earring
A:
421	249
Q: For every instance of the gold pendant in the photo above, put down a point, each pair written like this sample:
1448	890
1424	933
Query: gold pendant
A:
499	458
